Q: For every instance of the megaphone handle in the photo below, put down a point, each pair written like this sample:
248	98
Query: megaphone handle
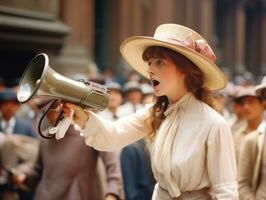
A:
51	136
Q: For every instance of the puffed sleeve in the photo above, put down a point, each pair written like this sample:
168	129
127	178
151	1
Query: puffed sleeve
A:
105	135
222	162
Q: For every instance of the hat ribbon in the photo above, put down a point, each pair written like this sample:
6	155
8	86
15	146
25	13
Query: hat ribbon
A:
200	46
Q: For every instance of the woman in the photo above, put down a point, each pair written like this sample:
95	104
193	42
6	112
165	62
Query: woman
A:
192	150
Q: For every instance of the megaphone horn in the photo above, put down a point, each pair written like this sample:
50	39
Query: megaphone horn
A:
39	79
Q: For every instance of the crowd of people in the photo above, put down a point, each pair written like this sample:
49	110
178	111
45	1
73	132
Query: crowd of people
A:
197	137
36	168
33	166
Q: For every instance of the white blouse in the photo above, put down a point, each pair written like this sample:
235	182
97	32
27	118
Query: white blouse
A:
195	152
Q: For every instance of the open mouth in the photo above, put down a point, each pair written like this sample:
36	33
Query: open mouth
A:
154	82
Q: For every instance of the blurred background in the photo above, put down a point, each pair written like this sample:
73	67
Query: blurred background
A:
83	36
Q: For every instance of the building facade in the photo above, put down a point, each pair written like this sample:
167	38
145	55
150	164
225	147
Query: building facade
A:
78	34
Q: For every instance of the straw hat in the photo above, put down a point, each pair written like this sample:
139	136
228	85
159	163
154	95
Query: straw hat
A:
261	86
182	40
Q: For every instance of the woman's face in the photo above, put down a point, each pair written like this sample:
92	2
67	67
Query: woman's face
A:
165	78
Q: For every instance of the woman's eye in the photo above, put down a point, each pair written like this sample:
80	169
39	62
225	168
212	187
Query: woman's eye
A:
159	62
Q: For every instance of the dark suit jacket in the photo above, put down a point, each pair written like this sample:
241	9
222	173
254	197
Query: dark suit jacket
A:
23	127
67	170
137	173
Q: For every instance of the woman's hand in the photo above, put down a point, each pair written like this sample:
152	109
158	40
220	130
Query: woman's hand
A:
19	179
80	116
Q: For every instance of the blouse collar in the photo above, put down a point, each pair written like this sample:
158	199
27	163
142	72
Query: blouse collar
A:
180	104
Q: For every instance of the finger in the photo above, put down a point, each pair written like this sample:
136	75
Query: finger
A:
66	111
66	115
73	106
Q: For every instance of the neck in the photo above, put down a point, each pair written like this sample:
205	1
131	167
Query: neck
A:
112	109
240	117
253	124
7	119
175	98
134	103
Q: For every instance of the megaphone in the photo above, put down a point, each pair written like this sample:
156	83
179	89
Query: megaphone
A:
40	80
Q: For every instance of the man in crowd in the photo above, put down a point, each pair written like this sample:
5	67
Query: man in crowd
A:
133	97
10	124
19	148
252	162
238	119
253	110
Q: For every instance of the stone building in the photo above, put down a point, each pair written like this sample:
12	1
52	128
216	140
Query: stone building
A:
77	34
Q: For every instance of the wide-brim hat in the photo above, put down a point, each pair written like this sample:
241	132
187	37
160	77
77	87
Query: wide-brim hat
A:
261	86
173	36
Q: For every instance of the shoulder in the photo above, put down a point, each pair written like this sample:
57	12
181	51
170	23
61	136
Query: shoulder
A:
252	137
129	151
24	127
124	110
215	126
250	147
126	105
206	113
106	114
212	113
22	122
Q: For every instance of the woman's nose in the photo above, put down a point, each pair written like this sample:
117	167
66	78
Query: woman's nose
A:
150	70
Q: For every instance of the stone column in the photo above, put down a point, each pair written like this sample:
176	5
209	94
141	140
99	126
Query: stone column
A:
77	55
113	32
263	42
164	12
240	39
189	14
229	36
206	9
179	12
254	38
124	12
